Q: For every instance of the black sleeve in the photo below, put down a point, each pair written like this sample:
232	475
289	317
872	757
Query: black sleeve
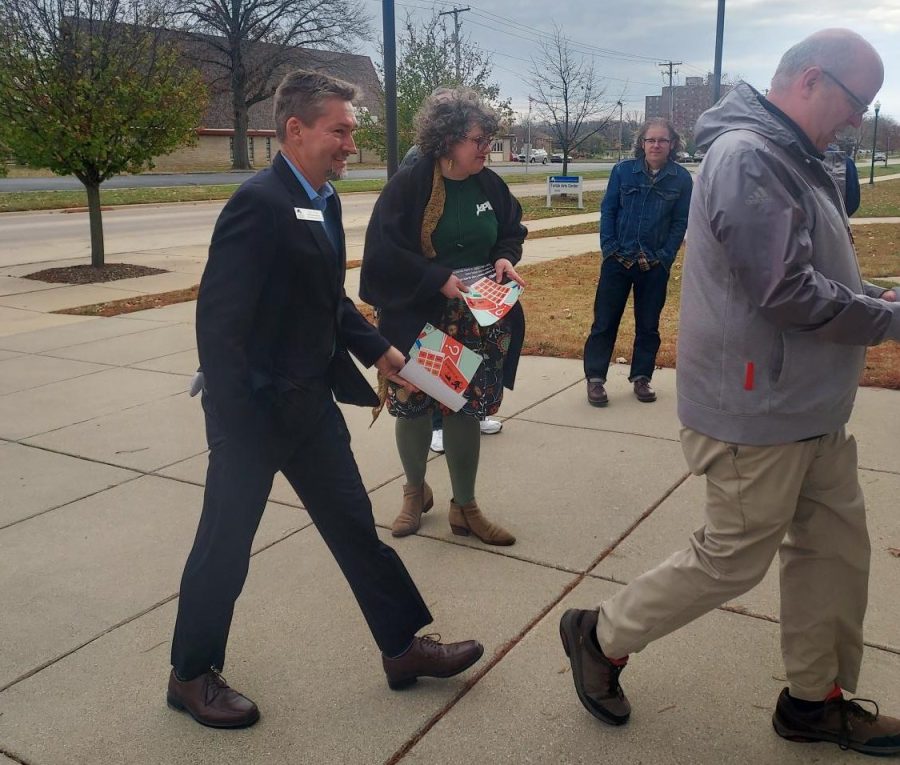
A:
395	274
240	259
511	233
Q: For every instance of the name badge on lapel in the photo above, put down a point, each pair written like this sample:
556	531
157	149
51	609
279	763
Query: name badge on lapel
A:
304	213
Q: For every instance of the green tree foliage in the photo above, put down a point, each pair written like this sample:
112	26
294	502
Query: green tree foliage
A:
426	59
84	93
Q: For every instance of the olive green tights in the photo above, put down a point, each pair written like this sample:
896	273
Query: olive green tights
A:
462	442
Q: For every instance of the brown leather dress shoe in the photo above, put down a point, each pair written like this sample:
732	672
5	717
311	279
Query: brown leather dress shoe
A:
645	394
211	702
596	393
596	677
428	657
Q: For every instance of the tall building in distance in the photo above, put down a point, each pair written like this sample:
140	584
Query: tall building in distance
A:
690	101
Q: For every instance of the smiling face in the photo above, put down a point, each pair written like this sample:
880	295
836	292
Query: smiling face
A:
470	154
320	150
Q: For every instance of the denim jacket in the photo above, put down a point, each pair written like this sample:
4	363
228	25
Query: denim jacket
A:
640	213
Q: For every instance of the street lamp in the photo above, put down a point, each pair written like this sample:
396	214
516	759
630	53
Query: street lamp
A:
619	104
528	142
877	106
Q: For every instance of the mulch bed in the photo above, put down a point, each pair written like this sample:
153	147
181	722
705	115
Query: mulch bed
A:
87	274
130	305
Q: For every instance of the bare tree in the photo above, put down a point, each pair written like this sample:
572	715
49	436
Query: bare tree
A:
250	43
568	94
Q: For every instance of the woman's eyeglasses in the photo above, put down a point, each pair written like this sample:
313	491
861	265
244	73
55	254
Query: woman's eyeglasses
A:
481	142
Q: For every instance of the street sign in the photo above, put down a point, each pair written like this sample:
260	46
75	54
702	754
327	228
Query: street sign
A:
565	184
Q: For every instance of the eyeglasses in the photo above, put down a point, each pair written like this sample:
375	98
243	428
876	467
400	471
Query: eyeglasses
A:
861	106
481	142
654	141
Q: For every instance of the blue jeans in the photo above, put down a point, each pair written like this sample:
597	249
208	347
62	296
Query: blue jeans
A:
616	282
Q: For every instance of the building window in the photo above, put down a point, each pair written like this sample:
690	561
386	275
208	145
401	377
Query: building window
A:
250	148
231	149
268	149
497	146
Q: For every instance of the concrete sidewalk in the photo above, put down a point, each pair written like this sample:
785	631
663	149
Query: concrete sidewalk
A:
102	461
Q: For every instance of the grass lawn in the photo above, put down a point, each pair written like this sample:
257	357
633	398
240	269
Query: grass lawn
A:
560	297
879	200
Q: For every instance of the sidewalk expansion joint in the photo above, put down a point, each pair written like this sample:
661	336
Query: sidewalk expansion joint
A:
514	641
112	628
602	430
545	398
13	757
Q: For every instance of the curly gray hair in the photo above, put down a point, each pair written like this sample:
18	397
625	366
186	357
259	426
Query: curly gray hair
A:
446	117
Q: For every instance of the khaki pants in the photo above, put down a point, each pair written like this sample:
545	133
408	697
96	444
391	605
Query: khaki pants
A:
802	500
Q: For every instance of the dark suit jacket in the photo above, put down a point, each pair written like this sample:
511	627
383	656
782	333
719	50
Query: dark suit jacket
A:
272	309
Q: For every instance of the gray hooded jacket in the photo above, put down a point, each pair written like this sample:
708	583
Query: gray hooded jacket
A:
775	318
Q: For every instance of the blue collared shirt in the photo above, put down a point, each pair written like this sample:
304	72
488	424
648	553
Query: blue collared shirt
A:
319	200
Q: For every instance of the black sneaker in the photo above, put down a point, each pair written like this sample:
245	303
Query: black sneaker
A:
841	721
596	677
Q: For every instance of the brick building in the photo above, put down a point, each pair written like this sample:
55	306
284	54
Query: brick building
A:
691	100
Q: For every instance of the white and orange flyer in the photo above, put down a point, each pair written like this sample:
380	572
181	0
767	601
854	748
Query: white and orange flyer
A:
441	367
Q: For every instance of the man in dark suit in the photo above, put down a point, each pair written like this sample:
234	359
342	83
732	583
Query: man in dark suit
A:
273	329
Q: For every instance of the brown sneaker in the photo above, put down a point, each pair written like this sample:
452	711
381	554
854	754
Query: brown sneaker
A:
645	394
596	677
596	393
211	702
841	721
416	500
428	657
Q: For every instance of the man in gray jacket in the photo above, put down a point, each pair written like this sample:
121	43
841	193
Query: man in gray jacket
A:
775	320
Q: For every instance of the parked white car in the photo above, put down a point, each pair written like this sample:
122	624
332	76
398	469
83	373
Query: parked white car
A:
537	155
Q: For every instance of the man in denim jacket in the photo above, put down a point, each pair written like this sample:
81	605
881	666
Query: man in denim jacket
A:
643	219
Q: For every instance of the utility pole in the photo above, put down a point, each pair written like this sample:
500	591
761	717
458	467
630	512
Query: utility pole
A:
720	34
671	64
619	104
390	86
455	13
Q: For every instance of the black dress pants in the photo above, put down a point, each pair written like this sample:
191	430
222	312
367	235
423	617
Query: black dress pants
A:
318	463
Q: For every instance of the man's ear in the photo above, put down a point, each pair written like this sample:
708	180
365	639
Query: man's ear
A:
293	128
810	79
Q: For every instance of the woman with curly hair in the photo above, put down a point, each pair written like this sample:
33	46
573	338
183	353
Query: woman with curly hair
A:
442	214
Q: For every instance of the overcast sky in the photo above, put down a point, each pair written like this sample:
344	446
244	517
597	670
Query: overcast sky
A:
628	38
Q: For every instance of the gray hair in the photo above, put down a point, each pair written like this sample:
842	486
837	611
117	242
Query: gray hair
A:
828	48
657	122
446	116
303	94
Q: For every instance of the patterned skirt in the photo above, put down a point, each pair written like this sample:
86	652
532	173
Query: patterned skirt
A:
485	393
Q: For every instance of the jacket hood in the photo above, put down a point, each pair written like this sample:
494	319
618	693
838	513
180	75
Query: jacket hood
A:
741	110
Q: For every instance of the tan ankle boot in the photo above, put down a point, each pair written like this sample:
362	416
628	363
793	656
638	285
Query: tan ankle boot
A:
467	519
416	500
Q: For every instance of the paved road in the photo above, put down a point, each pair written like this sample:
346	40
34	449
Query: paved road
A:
215	179
48	236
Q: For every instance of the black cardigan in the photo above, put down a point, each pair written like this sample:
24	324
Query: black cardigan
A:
403	284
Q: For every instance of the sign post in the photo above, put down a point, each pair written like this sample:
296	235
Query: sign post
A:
565	184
